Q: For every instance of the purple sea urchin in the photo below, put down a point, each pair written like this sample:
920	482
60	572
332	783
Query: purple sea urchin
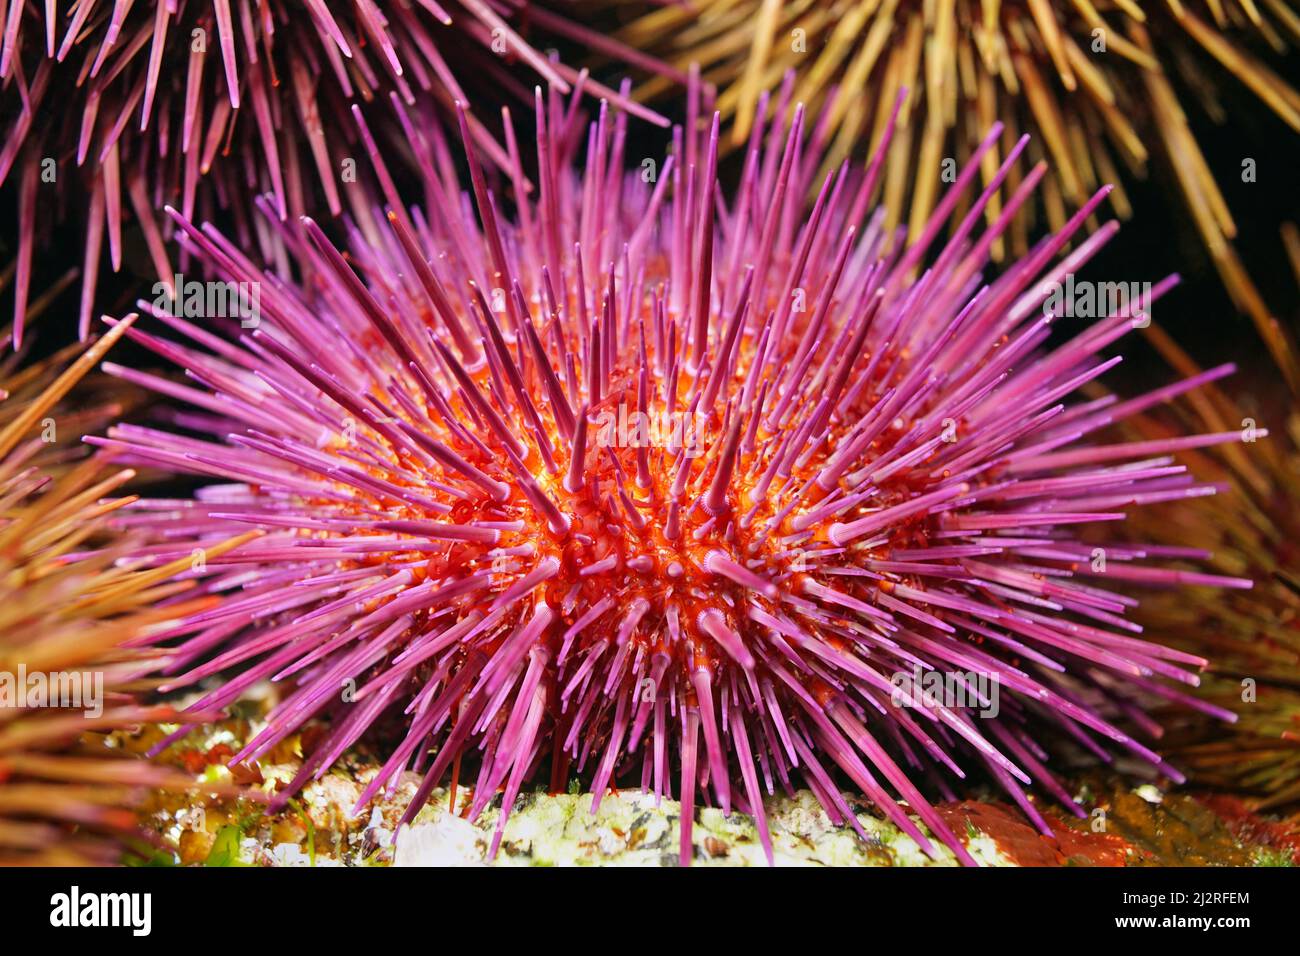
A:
663	483
207	103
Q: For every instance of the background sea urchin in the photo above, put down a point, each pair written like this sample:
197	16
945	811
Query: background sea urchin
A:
1252	640
1106	89
65	677
205	104
660	484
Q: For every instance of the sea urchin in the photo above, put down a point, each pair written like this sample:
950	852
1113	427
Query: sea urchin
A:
660	483
1104	88
65	677
207	103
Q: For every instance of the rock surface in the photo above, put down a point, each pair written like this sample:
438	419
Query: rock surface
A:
1122	825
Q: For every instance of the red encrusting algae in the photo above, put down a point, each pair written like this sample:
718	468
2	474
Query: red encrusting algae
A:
669	486
1024	846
